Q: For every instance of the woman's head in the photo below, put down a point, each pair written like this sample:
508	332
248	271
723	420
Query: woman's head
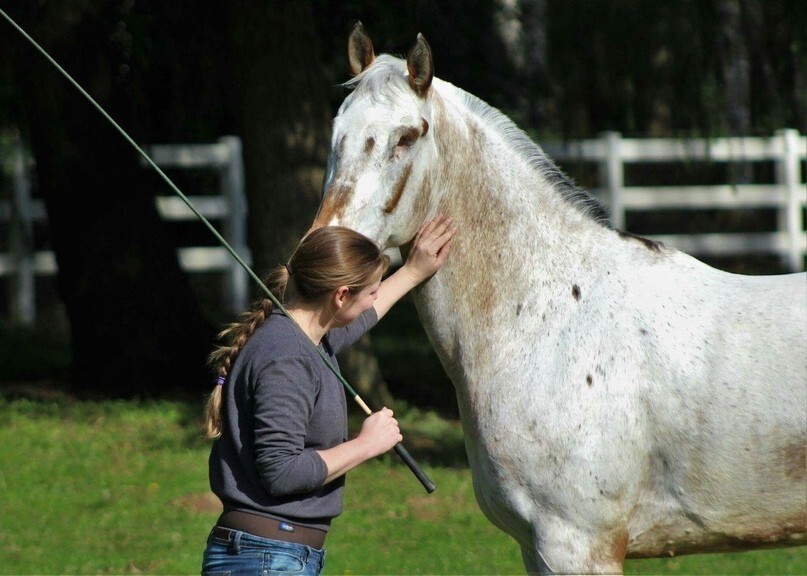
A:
331	257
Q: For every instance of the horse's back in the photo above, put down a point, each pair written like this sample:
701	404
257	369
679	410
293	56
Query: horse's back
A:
730	339
763	329
728	320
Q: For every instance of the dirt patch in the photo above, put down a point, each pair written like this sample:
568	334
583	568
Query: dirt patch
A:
35	390
201	503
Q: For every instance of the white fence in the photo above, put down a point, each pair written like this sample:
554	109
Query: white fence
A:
23	262
787	193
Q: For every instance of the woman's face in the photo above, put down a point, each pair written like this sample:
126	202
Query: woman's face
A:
359	302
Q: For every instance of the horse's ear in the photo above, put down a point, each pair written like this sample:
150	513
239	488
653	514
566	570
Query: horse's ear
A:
420	65
360	51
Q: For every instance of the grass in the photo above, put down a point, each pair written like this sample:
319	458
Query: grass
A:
109	488
121	488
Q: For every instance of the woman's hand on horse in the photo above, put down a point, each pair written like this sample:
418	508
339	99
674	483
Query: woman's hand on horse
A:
430	247
428	252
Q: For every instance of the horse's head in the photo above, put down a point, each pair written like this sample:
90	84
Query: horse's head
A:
376	181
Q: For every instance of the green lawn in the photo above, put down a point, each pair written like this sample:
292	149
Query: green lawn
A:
121	488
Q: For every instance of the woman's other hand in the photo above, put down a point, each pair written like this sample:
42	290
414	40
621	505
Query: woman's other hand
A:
380	432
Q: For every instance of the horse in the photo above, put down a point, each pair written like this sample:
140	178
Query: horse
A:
619	398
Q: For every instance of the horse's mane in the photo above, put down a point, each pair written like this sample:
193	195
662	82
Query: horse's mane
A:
534	155
386	78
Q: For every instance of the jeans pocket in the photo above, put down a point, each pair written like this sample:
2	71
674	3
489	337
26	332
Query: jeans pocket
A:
214	561
282	562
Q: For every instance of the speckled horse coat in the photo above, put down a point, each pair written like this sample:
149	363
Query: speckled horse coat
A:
618	397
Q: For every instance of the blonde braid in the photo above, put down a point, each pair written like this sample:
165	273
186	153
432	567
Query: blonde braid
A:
223	356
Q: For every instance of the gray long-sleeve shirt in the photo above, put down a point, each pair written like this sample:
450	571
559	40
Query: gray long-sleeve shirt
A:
281	404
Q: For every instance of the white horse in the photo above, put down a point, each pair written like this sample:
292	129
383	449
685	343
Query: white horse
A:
619	398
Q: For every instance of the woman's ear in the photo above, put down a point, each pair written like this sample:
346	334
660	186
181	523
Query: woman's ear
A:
340	297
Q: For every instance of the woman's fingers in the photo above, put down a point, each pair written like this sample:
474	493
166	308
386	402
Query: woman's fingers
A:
430	246
383	430
444	234
427	227
436	233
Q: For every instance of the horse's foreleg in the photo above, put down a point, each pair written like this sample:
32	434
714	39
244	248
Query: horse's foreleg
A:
569	550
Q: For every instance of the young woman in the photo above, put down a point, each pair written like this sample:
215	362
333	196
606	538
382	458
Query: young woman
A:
279	415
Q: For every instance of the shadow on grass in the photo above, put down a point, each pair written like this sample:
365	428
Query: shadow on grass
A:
430	438
35	368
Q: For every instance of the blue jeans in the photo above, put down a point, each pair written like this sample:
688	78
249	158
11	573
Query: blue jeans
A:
247	555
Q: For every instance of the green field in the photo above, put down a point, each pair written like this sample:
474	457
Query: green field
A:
121	488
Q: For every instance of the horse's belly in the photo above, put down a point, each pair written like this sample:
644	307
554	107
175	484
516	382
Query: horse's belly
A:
693	504
673	536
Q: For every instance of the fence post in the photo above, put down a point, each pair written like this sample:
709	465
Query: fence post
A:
21	242
788	175
612	174
235	230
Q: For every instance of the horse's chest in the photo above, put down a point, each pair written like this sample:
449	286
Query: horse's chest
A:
499	493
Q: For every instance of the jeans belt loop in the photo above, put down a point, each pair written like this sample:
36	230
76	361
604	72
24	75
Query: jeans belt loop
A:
235	544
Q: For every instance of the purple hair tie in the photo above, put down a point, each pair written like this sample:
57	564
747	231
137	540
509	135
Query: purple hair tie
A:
220	381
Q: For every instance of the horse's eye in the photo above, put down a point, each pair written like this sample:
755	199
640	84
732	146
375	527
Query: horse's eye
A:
408	138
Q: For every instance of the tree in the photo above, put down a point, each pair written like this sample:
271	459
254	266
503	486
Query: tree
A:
521	25
284	119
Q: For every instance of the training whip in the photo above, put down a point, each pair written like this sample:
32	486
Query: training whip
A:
399	448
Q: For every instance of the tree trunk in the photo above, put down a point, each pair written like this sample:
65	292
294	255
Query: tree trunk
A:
522	27
135	325
734	59
285	119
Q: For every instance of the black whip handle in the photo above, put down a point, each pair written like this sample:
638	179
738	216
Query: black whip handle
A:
415	468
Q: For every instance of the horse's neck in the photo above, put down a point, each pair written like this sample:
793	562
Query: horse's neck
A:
518	239
505	207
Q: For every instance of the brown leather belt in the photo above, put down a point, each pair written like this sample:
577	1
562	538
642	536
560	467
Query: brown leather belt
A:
270	528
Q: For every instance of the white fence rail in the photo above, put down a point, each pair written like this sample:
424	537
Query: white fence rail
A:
787	194
17	215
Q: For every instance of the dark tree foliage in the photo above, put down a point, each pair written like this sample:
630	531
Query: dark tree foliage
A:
271	73
661	68
135	325
643	68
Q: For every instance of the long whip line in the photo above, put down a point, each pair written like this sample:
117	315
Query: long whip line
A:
428	484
